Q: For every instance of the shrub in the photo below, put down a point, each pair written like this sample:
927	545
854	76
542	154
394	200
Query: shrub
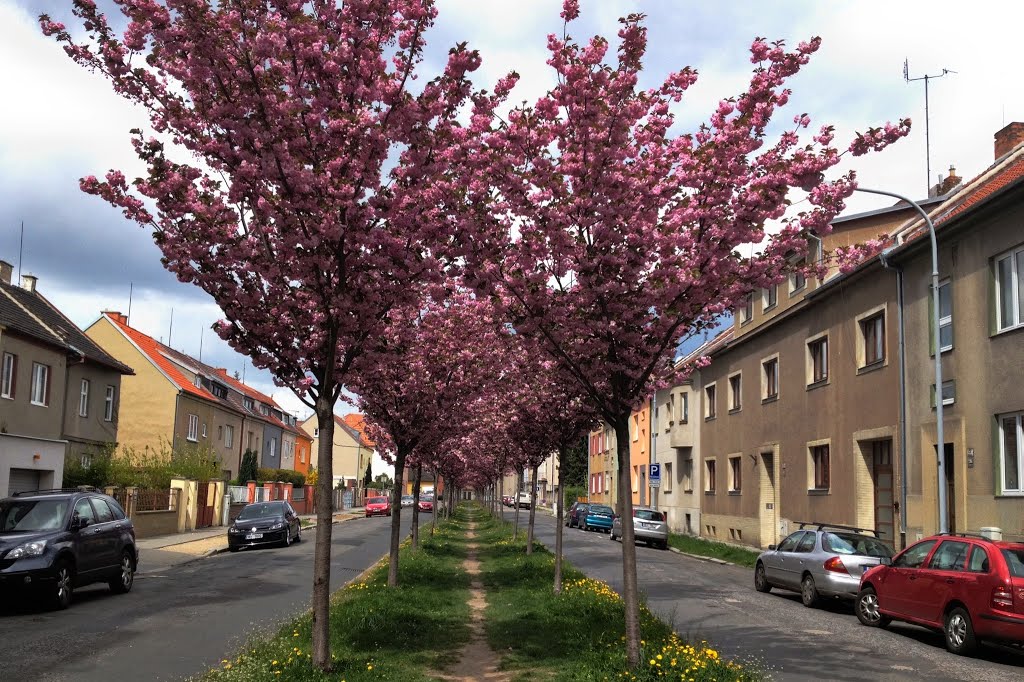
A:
249	469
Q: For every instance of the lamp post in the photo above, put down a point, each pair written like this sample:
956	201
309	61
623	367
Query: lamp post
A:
940	436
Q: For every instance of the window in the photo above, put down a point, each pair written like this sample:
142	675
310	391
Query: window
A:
316	433
797	281
915	556
666	478
1011	454
735	474
635	428
219	391
771	379
1009	289
790	543
108	405
951	556
10	371
193	428
83	510
199	381
249	440
771	297
807	543
302	453
820	467
709	476
979	560
818	352
684	407
948	393
688	475
747	308
273	447
735	392
709	402
103	513
40	384
873	333
229	436
264	410
83	399
945	315
247	402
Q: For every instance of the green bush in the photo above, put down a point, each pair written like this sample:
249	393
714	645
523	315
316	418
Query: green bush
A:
147	469
266	474
249	469
572	493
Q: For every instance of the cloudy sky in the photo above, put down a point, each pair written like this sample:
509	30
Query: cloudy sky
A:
58	122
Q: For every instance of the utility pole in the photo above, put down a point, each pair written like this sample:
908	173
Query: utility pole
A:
927	132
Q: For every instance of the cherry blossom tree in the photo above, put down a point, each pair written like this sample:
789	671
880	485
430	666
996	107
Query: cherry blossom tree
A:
292	174
613	236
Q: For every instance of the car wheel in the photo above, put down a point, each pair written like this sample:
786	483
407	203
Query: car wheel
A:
808	591
664	544
298	534
63	585
287	536
126	576
611	536
959	632
867	609
761	583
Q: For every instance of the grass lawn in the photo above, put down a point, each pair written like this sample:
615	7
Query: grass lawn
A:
718	550
578	635
376	633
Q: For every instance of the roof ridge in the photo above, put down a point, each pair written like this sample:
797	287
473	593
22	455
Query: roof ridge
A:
34	317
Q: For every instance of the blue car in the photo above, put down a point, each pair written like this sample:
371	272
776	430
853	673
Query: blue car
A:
598	517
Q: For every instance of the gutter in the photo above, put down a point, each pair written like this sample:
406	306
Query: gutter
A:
903	393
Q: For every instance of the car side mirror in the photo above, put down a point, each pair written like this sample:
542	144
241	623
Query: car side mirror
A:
771	547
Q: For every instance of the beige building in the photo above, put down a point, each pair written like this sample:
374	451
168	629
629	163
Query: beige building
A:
352	451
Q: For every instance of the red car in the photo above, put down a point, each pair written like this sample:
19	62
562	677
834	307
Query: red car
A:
378	506
427	506
969	587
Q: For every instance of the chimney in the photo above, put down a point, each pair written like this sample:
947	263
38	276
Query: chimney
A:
1008	138
949	184
6	272
116	316
28	283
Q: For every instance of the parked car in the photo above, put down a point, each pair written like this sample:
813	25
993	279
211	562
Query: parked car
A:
56	540
648	526
408	500
969	587
378	506
523	500
574	516
264	523
427	505
822	561
597	516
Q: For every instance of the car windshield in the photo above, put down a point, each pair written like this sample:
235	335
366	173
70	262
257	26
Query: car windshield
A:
407	497
261	511
1014	560
600	509
853	543
648	515
378	500
23	516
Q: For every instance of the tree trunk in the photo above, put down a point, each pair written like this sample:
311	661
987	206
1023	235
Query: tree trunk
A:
533	510
558	524
515	504
501	497
630	591
416	507
324	502
396	517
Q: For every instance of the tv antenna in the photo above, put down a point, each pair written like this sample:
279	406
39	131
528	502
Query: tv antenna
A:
927	135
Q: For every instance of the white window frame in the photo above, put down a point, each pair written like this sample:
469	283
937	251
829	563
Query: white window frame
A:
193	428
248	404
793	288
684	407
1014	255
950	383
229	435
746	309
83	399
666	480
273	447
765	394
735	392
945	320
738	458
7	386
40	384
108	404
711	402
766	299
1018	418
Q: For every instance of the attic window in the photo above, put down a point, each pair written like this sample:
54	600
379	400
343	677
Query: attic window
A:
220	391
248	403
199	381
264	410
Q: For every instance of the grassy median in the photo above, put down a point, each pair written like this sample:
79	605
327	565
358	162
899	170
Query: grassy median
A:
717	550
376	633
579	635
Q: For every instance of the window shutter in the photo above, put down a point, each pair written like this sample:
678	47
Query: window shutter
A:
997	469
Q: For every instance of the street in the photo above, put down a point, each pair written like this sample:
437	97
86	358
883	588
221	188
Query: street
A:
181	621
704	600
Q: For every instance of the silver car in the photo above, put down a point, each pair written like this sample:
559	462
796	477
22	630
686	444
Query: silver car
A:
648	526
821	561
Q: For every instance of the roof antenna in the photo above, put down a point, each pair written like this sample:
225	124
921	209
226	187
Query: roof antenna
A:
201	330
131	290
170	329
927	136
21	249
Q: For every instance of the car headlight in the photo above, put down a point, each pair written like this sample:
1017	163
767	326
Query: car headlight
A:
28	549
234	529
277	525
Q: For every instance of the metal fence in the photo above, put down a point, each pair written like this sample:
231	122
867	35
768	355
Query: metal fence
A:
262	495
299	493
238	493
155	500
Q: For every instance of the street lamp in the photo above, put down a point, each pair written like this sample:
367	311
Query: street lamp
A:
941	447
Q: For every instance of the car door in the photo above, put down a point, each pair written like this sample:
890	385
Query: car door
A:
895	595
108	535
775	560
936	582
88	541
799	559
292	518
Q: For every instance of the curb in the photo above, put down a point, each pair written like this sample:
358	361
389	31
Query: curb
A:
223	550
708	559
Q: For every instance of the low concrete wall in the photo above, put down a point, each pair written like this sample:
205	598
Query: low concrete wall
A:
150	523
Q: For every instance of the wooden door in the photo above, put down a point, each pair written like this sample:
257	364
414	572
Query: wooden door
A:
881	456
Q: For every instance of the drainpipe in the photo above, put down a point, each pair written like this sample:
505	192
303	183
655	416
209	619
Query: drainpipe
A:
651	424
903	396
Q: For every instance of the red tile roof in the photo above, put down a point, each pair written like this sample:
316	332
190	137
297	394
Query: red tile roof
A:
1004	178
357	422
152	349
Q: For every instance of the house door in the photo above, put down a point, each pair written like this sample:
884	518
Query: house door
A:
204	509
767	510
950	469
881	461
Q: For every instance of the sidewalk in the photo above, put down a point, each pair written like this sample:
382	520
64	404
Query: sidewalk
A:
163	552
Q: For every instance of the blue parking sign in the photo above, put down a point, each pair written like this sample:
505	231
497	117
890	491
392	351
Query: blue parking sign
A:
654	475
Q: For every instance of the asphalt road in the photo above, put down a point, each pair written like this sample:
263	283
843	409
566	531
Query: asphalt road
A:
708	601
180	621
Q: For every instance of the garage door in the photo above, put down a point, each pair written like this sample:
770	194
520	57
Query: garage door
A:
23	480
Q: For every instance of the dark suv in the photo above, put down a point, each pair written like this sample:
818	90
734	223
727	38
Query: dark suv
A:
57	540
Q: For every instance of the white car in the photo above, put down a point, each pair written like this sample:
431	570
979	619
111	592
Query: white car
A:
407	500
523	500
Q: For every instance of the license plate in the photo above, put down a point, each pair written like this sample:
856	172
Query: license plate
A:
644	525
253	536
